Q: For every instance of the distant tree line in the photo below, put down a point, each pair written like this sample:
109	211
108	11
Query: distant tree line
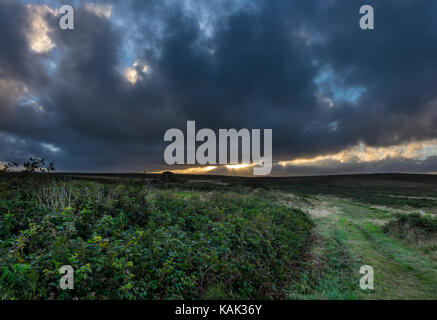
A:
30	166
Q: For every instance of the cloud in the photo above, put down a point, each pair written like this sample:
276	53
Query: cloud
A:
136	72
106	92
99	10
362	153
39	33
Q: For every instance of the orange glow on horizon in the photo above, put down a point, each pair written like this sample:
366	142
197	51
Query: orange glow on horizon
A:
362	153
238	166
194	170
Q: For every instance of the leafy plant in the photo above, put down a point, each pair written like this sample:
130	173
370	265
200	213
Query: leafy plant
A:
125	241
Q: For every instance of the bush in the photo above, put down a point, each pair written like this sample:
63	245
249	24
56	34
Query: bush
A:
131	242
413	228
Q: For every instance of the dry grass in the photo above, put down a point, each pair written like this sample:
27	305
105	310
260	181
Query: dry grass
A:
59	195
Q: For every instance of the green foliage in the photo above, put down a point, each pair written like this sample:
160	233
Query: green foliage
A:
19	279
128	241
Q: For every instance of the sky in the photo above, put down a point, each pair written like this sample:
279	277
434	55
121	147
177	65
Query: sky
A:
339	99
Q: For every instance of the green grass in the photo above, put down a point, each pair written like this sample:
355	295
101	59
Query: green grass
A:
387	196
401	272
330	273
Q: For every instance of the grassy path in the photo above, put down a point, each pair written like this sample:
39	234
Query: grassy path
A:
351	236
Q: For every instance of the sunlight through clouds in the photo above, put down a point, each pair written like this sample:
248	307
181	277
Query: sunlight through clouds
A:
362	153
194	170
135	73
38	37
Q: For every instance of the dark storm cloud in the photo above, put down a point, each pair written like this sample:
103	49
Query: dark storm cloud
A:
253	64
395	66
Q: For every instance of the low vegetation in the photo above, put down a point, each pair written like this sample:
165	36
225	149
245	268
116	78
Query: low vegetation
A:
143	237
131	241
415	229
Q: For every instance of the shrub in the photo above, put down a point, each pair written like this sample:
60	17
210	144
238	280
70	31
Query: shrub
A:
413	228
126	241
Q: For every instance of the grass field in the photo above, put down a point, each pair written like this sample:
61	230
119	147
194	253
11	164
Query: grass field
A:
200	237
